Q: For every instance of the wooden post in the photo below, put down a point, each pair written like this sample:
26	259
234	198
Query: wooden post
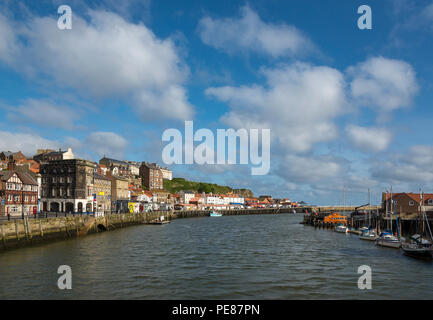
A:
16	230
3	236
41	231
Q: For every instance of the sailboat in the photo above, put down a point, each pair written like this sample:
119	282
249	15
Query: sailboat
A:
387	239
419	247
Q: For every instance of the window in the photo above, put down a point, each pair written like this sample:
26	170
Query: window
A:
9	197
16	198
54	179
61	180
26	199
430	201
411	202
53	192
69	180
10	186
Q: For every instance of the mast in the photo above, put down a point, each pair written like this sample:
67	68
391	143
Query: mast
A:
369	211
390	216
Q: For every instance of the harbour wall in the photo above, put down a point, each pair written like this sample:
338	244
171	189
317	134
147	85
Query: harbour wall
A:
29	231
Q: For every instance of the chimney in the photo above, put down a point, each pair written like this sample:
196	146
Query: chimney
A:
11	165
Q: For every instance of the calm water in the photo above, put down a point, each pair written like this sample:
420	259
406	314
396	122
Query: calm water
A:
233	257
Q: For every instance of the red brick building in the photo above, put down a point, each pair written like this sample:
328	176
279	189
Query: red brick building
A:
18	192
406	203
151	176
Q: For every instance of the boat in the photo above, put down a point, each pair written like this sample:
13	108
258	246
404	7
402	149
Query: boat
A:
369	235
419	247
386	239
215	214
341	229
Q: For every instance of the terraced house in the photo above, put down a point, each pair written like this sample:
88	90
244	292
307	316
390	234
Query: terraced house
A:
18	192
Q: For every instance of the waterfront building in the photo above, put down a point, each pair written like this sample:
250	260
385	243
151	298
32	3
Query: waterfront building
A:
151	176
67	186
407	203
119	192
18	191
102	194
233	199
186	196
44	156
214	199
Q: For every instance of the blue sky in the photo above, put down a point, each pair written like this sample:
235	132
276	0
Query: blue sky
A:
346	107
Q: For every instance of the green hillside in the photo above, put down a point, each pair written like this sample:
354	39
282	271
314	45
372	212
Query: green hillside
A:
178	184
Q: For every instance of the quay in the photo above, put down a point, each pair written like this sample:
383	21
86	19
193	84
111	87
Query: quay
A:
407	224
29	231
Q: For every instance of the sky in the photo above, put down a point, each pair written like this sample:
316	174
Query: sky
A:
347	108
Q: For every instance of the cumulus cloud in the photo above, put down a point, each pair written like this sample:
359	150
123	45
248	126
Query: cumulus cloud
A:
105	57
250	33
298	104
311	169
414	165
44	112
385	84
369	138
106	143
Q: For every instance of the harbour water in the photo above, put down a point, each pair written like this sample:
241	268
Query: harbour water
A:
229	257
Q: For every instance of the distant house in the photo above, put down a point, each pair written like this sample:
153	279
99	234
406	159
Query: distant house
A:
18	192
44	157
406	203
118	167
151	176
8	155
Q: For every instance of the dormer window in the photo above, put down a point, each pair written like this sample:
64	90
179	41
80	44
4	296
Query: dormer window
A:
411	202
430	201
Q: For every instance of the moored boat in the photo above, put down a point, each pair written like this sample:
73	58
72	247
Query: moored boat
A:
215	214
386	239
369	235
341	229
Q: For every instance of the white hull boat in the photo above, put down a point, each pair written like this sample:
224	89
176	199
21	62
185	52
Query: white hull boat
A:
341	229
369	236
388	240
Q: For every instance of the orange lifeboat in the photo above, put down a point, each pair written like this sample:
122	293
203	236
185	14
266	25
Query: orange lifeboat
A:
335	218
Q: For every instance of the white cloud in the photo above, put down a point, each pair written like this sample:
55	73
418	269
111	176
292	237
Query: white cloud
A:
310	169
106	143
104	58
25	142
369	138
250	33
44	112
298	104
413	166
383	83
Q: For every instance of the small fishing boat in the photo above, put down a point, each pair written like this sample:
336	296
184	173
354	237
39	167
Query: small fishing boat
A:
386	239
341	229
215	214
369	235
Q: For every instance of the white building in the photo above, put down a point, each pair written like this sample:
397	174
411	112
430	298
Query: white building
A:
186	196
